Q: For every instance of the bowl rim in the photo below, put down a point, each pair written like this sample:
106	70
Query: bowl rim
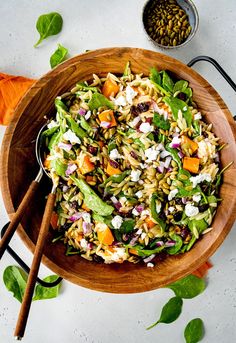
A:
5	186
190	37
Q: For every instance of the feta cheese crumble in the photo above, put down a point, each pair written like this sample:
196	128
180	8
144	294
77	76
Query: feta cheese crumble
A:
146	127
151	154
196	197
175	141
135	212
139	194
84	243
135	174
200	178
117	222
197	116
191	210
172	194
130	94
87	115
52	124
120	101
71	137
114	154
171	209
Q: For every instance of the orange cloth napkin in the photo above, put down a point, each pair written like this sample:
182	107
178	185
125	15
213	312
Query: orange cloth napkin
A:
12	88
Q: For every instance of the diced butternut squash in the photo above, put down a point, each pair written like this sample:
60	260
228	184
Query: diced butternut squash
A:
54	220
191	164
86	165
112	171
104	234
133	251
47	162
107	116
150	223
187	143
84	207
110	88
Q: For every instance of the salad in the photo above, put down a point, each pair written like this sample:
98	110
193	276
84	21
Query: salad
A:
136	167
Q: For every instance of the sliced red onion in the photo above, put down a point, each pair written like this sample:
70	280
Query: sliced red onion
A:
175	145
70	169
149	258
159	243
184	200
148	120
82	111
154	106
170	243
134	155
167	162
105	124
90	246
86	228
169	169
164	154
114	163
161	167
139	208
65	146
114	199
133	240
76	216
180	154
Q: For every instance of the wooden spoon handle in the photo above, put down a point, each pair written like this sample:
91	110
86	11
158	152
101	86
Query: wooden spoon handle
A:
27	299
17	217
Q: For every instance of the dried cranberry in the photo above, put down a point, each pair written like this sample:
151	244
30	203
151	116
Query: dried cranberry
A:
92	150
182	96
178	216
74	204
114	163
143	106
184	233
203	207
149	120
134	110
134	155
98	259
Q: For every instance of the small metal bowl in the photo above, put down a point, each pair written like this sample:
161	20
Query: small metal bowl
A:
190	9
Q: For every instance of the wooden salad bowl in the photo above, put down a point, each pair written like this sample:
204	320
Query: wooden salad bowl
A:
19	168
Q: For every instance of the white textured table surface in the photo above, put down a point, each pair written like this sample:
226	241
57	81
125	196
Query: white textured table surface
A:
79	315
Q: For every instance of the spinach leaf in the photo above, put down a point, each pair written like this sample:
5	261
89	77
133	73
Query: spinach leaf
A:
178	244
42	293
99	100
48	25
170	312
167	82
101	219
75	127
154	213
146	252
58	166
180	86
194	331
58	56
160	121
156	79
197	225
91	199
111	145
188	287
15	280
127	226
177	105
85	125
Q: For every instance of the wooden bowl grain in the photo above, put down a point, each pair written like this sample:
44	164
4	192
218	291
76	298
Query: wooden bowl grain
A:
19	167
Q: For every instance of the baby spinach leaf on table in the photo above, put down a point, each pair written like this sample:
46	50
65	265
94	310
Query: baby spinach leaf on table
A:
170	312
15	280
99	100
194	331
58	56
48	25
160	121
188	287
42	293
